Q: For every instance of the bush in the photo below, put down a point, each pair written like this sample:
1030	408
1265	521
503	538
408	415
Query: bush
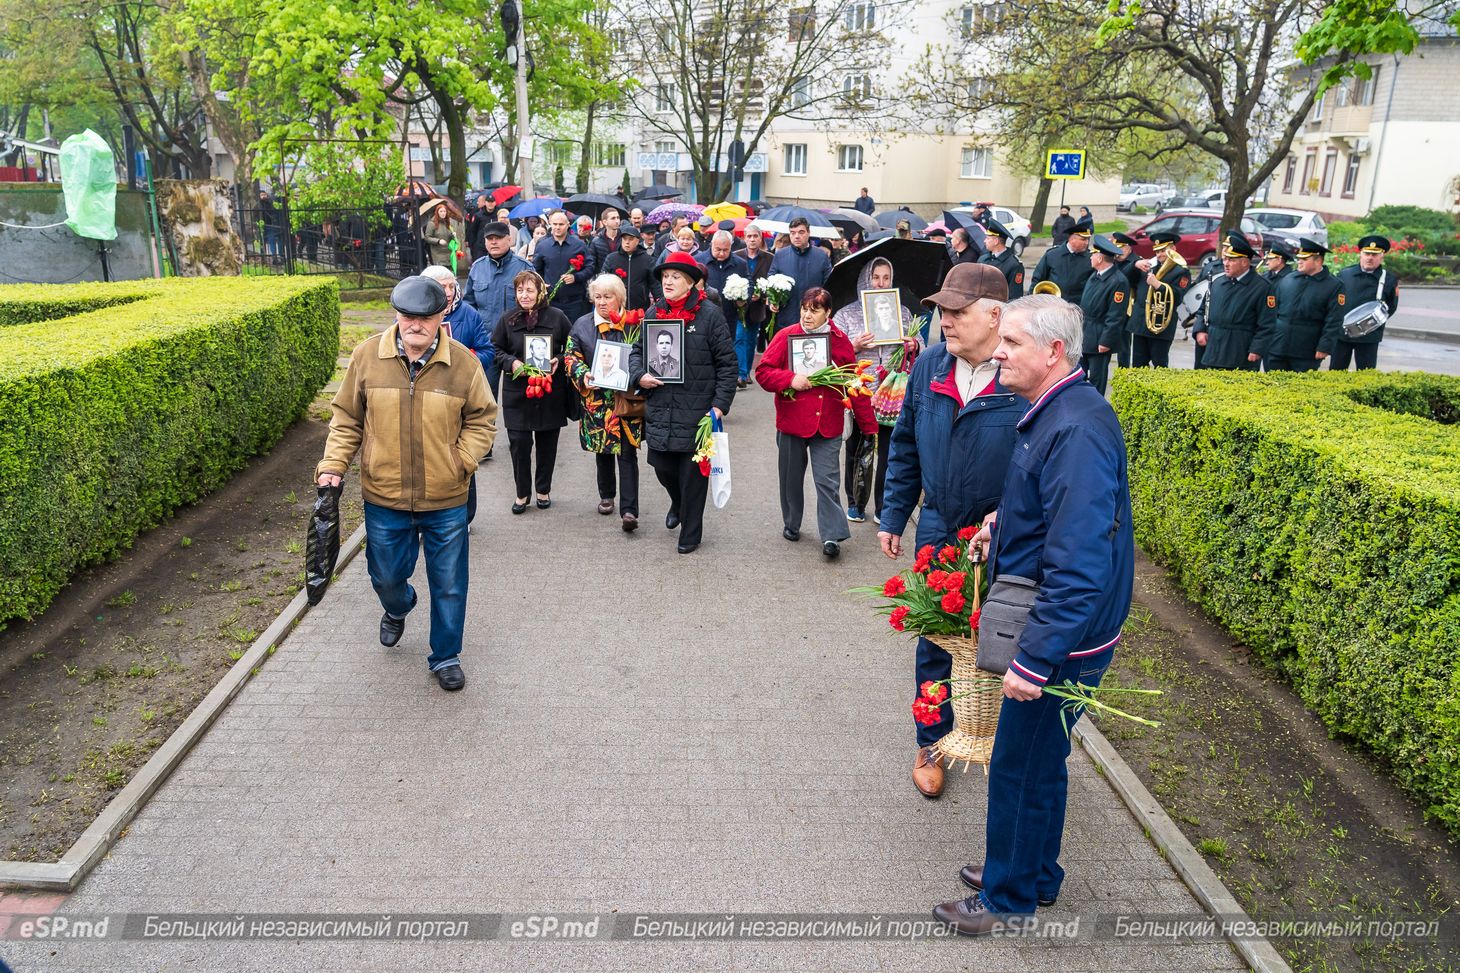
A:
124	401
1317	518
1411	219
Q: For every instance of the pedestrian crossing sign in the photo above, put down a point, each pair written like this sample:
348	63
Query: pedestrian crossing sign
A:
1064	164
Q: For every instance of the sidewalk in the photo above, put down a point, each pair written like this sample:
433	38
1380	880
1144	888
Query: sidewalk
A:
640	732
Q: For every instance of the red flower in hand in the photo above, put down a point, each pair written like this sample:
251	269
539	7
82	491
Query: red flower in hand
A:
898	614
894	586
705	467
966	534
935	691
925	713
622	273
937	579
954	581
953	602
576	262
924	561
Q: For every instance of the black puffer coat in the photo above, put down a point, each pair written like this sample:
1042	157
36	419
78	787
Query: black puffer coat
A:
672	413
509	340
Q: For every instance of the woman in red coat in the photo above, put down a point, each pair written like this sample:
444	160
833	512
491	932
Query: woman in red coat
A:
810	419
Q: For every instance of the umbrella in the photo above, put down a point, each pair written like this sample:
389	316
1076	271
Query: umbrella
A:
777	219
725	211
535	207
889	218
450	205
918	267
416	189
660	191
879	234
593	204
668	211
501	194
938	226
851	221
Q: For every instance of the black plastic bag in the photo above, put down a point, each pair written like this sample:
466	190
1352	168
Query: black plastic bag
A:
322	547
863	459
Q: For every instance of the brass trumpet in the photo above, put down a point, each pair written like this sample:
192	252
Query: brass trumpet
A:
1161	303
1046	287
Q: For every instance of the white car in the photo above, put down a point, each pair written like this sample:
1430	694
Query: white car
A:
1144	194
1018	226
1290	224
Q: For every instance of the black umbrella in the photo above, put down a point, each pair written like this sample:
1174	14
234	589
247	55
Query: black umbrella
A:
851	221
777	219
890	217
918	267
976	233
660	191
593	204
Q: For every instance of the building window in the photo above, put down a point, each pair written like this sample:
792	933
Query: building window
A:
1330	165
559	153
976	163
979	89
1351	176
1308	160
663	98
849	158
856	87
800	24
609	154
980	16
1289	173
1318	107
861	16
801	92
666	147
793	156
1364	90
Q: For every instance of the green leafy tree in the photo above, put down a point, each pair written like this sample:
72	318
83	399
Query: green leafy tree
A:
347	176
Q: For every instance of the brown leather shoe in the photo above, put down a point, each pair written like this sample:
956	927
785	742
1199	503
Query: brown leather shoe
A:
631	523
928	774
972	876
605	507
969	917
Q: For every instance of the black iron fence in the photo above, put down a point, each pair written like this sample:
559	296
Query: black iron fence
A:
381	241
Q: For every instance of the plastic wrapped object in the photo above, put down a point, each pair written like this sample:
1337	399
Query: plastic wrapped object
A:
89	183
862	464
322	546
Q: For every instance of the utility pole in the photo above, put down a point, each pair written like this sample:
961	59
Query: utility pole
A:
524	127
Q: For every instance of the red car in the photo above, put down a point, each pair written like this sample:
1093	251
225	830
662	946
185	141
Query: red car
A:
1199	229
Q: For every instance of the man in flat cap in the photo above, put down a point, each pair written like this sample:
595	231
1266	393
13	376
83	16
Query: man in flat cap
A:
1309	319
1149	347
1238	306
1067	266
1105	302
1363	282
1002	258
415	405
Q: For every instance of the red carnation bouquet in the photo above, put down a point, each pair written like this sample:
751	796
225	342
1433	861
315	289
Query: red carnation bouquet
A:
938	595
576	262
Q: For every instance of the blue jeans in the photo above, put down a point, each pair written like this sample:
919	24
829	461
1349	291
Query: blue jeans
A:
1028	788
745	336
393	539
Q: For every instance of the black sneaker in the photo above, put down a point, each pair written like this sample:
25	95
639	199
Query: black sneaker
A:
451	678
831	549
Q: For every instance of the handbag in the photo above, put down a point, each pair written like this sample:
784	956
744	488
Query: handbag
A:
1002	619
628	405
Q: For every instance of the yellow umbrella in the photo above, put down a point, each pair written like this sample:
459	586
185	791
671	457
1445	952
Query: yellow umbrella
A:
725	211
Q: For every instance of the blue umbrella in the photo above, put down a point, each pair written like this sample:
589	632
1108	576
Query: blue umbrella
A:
536	207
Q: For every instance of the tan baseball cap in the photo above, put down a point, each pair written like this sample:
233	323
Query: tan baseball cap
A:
966	283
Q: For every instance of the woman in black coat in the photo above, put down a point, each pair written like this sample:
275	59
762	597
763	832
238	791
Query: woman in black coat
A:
533	333
672	411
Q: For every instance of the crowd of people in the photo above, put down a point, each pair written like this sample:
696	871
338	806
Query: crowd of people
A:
640	346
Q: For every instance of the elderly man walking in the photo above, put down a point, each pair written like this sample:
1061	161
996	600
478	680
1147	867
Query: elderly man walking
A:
415	404
1064	522
951	446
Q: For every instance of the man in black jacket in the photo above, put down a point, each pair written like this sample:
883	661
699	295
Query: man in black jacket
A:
631	265
1067	266
1239	305
1278	261
1154	347
606	242
1309	319
564	263
721	263
1064	224
1105	303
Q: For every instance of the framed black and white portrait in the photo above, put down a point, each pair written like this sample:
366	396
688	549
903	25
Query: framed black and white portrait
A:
882	311
664	349
538	351
610	366
809	353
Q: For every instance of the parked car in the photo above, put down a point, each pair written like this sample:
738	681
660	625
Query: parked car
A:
1143	194
1200	234
1290	224
1013	222
1182	202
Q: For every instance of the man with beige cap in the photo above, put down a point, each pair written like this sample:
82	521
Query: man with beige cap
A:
951	445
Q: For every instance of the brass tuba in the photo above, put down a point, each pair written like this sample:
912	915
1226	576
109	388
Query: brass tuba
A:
1046	287
1161	302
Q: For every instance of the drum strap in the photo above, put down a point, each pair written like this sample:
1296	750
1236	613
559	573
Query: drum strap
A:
1379	294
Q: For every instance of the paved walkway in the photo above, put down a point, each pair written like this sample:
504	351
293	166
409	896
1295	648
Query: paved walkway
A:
641	732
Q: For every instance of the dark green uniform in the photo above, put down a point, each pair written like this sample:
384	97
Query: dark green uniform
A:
1068	270
1236	309
1148	348
1309	319
1104	302
1273	278
1361	287
1008	265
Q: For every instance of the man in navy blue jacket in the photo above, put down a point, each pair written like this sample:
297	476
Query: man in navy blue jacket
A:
564	262
1064	522
808	266
951	446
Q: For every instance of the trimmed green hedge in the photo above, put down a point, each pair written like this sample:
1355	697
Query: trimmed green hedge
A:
1317	518
111	418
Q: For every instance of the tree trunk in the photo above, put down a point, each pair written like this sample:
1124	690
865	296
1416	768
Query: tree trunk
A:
452	116
586	159
1041	203
1237	173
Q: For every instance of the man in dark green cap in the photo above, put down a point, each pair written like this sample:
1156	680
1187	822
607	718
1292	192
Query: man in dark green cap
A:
1366	281
1278	260
1105	302
1238	306
415	405
1309	318
1067	266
